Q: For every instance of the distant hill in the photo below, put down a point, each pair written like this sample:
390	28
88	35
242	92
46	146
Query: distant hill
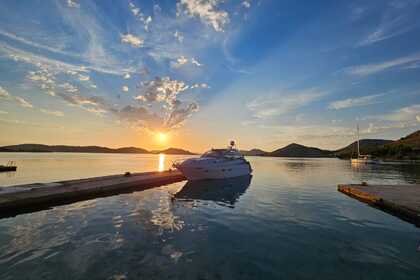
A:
406	148
173	151
40	148
367	146
412	140
254	152
131	150
296	150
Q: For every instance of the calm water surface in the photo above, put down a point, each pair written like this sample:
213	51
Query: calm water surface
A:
286	222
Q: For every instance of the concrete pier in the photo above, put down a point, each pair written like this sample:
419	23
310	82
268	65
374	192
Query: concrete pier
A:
33	197
402	201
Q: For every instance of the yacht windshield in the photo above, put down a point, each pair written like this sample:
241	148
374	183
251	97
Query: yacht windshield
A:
212	154
219	153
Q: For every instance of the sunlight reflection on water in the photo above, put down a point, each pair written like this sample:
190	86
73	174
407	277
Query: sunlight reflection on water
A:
161	166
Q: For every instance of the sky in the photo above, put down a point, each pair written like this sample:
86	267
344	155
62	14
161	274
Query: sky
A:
196	74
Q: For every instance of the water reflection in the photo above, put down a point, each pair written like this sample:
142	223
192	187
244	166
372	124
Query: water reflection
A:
161	166
225	191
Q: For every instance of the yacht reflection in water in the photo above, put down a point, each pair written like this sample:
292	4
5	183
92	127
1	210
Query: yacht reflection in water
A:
225	191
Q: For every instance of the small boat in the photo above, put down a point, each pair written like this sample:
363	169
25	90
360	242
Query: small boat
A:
215	164
362	159
9	167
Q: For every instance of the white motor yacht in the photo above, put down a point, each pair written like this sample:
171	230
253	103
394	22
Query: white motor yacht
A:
215	164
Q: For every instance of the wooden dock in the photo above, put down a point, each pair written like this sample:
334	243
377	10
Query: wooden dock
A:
33	197
402	201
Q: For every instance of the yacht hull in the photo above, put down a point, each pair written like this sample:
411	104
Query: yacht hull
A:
215	171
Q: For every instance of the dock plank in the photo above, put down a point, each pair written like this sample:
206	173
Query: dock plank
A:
38	196
402	201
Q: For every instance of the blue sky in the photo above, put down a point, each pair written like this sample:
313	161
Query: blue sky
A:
266	73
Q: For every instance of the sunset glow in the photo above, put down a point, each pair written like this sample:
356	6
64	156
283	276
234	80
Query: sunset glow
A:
162	137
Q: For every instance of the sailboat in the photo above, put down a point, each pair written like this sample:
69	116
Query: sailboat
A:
362	159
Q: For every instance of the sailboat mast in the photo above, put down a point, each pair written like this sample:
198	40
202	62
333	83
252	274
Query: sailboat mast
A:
358	140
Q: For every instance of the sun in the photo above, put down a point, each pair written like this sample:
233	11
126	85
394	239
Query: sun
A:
162	137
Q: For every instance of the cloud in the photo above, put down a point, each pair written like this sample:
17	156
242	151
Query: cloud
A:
146	20
83	77
134	41
375	128
4	94
124	88
69	87
405	117
368	69
73	4
179	36
22	102
165	91
203	85
387	30
57	66
182	60
162	90
180	114
282	103
354	102
30	43
71	94
52	113
206	10
246	4
139	116
195	62
408	113
398	17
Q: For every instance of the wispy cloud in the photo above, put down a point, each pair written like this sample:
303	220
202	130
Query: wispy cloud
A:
33	44
355	102
52	113
283	102
387	30
22	102
408	113
4	94
398	18
206	10
369	69
136	11
55	64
